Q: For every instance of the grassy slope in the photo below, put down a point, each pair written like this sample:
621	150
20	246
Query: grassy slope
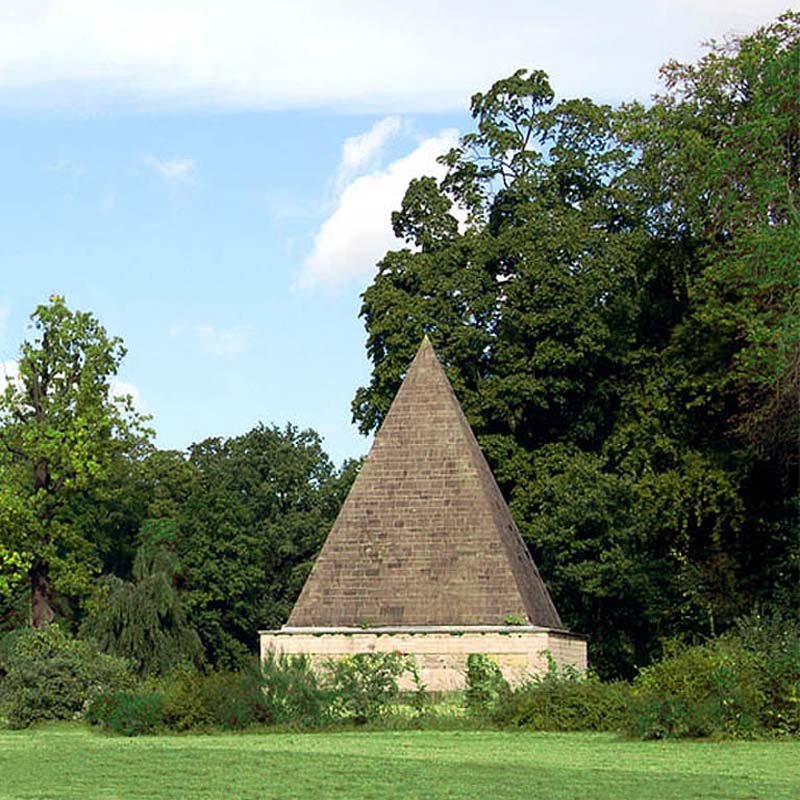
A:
72	762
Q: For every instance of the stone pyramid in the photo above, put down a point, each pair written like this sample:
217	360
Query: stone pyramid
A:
425	536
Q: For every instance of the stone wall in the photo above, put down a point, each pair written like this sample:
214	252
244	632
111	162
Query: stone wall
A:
440	652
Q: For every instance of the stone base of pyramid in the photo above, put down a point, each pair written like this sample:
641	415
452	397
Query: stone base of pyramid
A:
440	651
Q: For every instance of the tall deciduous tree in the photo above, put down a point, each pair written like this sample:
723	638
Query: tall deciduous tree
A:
721	160
619	320
63	439
256	512
533	309
722	150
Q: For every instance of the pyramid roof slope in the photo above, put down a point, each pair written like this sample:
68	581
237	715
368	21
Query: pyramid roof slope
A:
425	536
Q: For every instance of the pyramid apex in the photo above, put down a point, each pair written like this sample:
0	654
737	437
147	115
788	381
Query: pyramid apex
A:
425	355
425	352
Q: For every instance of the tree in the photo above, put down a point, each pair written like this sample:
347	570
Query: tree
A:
721	161
722	149
618	318
144	620
63	440
536	295
533	310
255	515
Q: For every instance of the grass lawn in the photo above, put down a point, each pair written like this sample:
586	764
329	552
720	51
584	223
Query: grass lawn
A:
73	762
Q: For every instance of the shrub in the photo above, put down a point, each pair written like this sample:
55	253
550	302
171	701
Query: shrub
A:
486	685
774	641
184	700
365	686
184	705
293	693
127	713
563	699
235	700
705	690
580	705
144	621
284	692
50	675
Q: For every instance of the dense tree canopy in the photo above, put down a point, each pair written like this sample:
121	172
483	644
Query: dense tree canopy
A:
256	513
64	443
619	317
722	147
218	541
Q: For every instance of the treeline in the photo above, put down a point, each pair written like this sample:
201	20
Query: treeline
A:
620	318
161	556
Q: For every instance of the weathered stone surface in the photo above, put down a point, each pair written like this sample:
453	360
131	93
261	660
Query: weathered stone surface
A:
440	653
425	536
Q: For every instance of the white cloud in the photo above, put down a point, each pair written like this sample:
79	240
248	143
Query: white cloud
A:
416	55
120	389
9	373
213	340
364	151
358	232
171	169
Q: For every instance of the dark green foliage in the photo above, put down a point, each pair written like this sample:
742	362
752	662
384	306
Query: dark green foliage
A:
231	700
284	691
565	700
774	641
144	620
562	699
46	674
236	698
722	152
741	685
744	683
255	515
486	685
186	701
127	713
587	705
365	686
619	320
698	691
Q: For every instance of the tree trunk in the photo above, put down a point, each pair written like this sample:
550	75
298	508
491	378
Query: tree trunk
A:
41	594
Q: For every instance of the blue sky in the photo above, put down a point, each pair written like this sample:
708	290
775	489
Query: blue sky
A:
214	179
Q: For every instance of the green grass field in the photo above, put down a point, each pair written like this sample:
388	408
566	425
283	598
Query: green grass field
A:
73	762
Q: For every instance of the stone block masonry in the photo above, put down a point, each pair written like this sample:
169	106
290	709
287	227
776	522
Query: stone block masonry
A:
440	652
424	536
